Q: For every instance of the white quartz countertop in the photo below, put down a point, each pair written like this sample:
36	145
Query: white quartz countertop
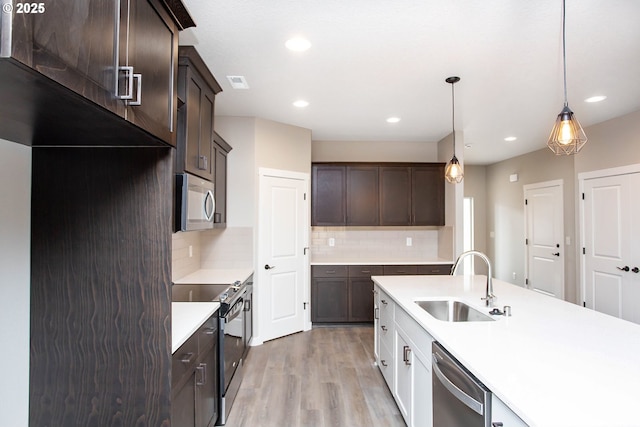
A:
347	260
186	318
553	363
216	276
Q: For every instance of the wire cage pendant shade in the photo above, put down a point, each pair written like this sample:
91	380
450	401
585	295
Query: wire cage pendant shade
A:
567	136
453	173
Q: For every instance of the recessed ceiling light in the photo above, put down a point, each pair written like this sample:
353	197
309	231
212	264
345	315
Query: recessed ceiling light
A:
510	138
301	103
596	98
238	82
393	119
298	44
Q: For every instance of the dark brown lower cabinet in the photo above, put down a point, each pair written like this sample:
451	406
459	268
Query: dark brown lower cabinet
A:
194	398
343	294
329	300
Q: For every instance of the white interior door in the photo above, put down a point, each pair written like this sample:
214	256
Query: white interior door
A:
282	261
544	217
611	229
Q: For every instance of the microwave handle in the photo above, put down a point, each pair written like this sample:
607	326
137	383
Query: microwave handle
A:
209	215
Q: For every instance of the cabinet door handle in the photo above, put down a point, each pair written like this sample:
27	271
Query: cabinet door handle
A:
376	313
210	331
406	351
138	100
635	270
128	87
365	272
330	271
384	328
556	254
625	268
383	363
383	301
203	163
202	368
497	424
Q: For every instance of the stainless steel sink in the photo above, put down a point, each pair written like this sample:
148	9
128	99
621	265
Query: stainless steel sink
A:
453	311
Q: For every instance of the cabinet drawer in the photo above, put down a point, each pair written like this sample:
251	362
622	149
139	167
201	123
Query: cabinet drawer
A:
435	269
184	360
396	270
329	271
208	334
386	364
365	270
421	339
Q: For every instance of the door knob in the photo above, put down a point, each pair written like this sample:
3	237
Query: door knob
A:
635	270
556	254
268	267
625	268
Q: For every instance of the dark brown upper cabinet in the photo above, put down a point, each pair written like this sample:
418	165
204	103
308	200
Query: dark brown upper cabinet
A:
395	195
73	72
427	194
362	195
389	194
197	89
328	195
221	150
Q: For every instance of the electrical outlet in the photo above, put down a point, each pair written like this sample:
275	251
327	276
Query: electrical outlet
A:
190	251
332	241
409	241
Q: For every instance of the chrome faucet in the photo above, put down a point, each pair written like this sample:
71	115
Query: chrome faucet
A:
489	297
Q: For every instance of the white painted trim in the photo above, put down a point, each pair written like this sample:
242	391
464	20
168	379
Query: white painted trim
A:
278	173
601	173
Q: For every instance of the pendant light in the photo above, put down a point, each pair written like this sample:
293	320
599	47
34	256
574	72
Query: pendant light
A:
567	136
453	172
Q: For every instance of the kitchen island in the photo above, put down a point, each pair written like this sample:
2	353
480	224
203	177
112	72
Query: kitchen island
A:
552	363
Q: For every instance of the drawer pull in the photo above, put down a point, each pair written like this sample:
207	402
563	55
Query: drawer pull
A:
186	358
384	301
330	271
209	331
365	271
383	363
384	328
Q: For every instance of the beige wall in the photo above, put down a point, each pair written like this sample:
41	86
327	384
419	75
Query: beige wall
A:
373	151
505	212
15	280
281	146
475	186
611	144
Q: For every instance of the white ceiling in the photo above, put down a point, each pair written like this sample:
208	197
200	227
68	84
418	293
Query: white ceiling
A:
372	59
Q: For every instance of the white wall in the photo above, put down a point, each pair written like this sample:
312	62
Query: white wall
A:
15	246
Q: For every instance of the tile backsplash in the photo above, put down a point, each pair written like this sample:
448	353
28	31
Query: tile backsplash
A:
227	248
378	242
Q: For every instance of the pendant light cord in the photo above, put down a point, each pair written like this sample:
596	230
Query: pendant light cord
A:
453	118
564	54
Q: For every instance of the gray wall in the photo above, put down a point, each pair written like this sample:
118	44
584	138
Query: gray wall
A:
15	280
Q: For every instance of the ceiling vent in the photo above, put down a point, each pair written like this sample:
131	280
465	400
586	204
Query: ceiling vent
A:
238	82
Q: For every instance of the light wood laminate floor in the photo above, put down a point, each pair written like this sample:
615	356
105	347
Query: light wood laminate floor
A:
320	378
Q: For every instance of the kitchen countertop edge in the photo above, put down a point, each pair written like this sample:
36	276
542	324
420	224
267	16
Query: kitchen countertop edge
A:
186	318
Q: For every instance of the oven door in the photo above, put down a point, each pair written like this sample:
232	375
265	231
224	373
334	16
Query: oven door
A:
233	341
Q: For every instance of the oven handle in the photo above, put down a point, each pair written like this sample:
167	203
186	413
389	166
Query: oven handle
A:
453	389
234	311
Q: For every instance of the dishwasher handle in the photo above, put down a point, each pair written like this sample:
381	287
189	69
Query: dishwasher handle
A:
463	397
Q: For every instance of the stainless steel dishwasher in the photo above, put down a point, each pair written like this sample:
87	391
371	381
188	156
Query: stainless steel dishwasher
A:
459	399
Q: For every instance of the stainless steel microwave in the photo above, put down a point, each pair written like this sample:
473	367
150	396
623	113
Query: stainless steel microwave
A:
195	203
